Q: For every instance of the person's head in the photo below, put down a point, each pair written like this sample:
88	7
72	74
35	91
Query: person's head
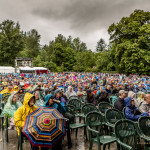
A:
31	101
147	98
58	93
108	87
131	94
80	89
132	103
140	95
70	89
36	95
14	99
9	88
122	94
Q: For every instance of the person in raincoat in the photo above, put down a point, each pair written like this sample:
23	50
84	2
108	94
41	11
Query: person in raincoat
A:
39	101
9	90
11	106
70	92
50	103
23	111
131	110
16	88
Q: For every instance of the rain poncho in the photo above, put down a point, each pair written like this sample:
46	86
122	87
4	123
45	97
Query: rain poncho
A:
39	102
129	111
6	91
68	93
10	108
23	111
59	107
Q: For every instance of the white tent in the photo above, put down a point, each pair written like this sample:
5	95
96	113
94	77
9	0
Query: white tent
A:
6	69
40	68
26	68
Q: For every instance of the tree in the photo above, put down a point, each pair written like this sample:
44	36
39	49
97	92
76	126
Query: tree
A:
11	42
32	43
131	38
101	45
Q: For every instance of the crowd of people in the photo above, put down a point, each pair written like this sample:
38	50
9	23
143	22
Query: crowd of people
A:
133	93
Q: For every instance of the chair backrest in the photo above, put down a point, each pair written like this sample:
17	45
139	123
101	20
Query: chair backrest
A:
125	133
73	97
144	125
83	97
70	109
103	107
94	121
76	103
113	115
87	108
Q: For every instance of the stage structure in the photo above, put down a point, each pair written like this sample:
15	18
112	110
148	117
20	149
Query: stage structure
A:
23	62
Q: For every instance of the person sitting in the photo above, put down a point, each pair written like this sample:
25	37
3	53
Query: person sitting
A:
70	92
140	98
80	92
39	102
90	97
119	103
11	106
131	110
108	89
23	111
103	97
50	103
145	105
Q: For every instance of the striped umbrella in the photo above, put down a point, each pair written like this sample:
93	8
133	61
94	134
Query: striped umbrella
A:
44	127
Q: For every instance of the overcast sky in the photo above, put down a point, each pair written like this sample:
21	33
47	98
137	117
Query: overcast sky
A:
86	19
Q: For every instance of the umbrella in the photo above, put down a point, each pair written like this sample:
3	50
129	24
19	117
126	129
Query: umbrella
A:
44	127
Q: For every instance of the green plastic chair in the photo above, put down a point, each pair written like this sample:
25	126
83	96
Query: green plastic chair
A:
73	97
77	104
103	107
83	97
73	125
144	130
87	108
95	129
112	116
126	134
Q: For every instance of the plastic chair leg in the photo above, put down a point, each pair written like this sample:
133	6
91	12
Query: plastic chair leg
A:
6	129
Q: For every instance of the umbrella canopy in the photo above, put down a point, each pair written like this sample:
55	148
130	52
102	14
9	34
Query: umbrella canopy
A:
45	127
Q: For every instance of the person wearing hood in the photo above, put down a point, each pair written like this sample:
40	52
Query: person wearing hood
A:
50	103
90	97
39	101
23	111
11	106
140	98
131	110
70	92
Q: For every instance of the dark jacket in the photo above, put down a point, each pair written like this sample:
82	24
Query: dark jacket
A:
90	99
119	104
130	110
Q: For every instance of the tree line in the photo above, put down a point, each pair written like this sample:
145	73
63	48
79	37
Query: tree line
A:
128	50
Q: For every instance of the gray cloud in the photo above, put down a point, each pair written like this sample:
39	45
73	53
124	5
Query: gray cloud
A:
87	19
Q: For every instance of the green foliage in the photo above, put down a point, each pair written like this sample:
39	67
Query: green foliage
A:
131	40
11	42
128	50
101	45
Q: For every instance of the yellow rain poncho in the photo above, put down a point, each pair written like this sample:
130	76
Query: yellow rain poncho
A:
7	90
23	111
